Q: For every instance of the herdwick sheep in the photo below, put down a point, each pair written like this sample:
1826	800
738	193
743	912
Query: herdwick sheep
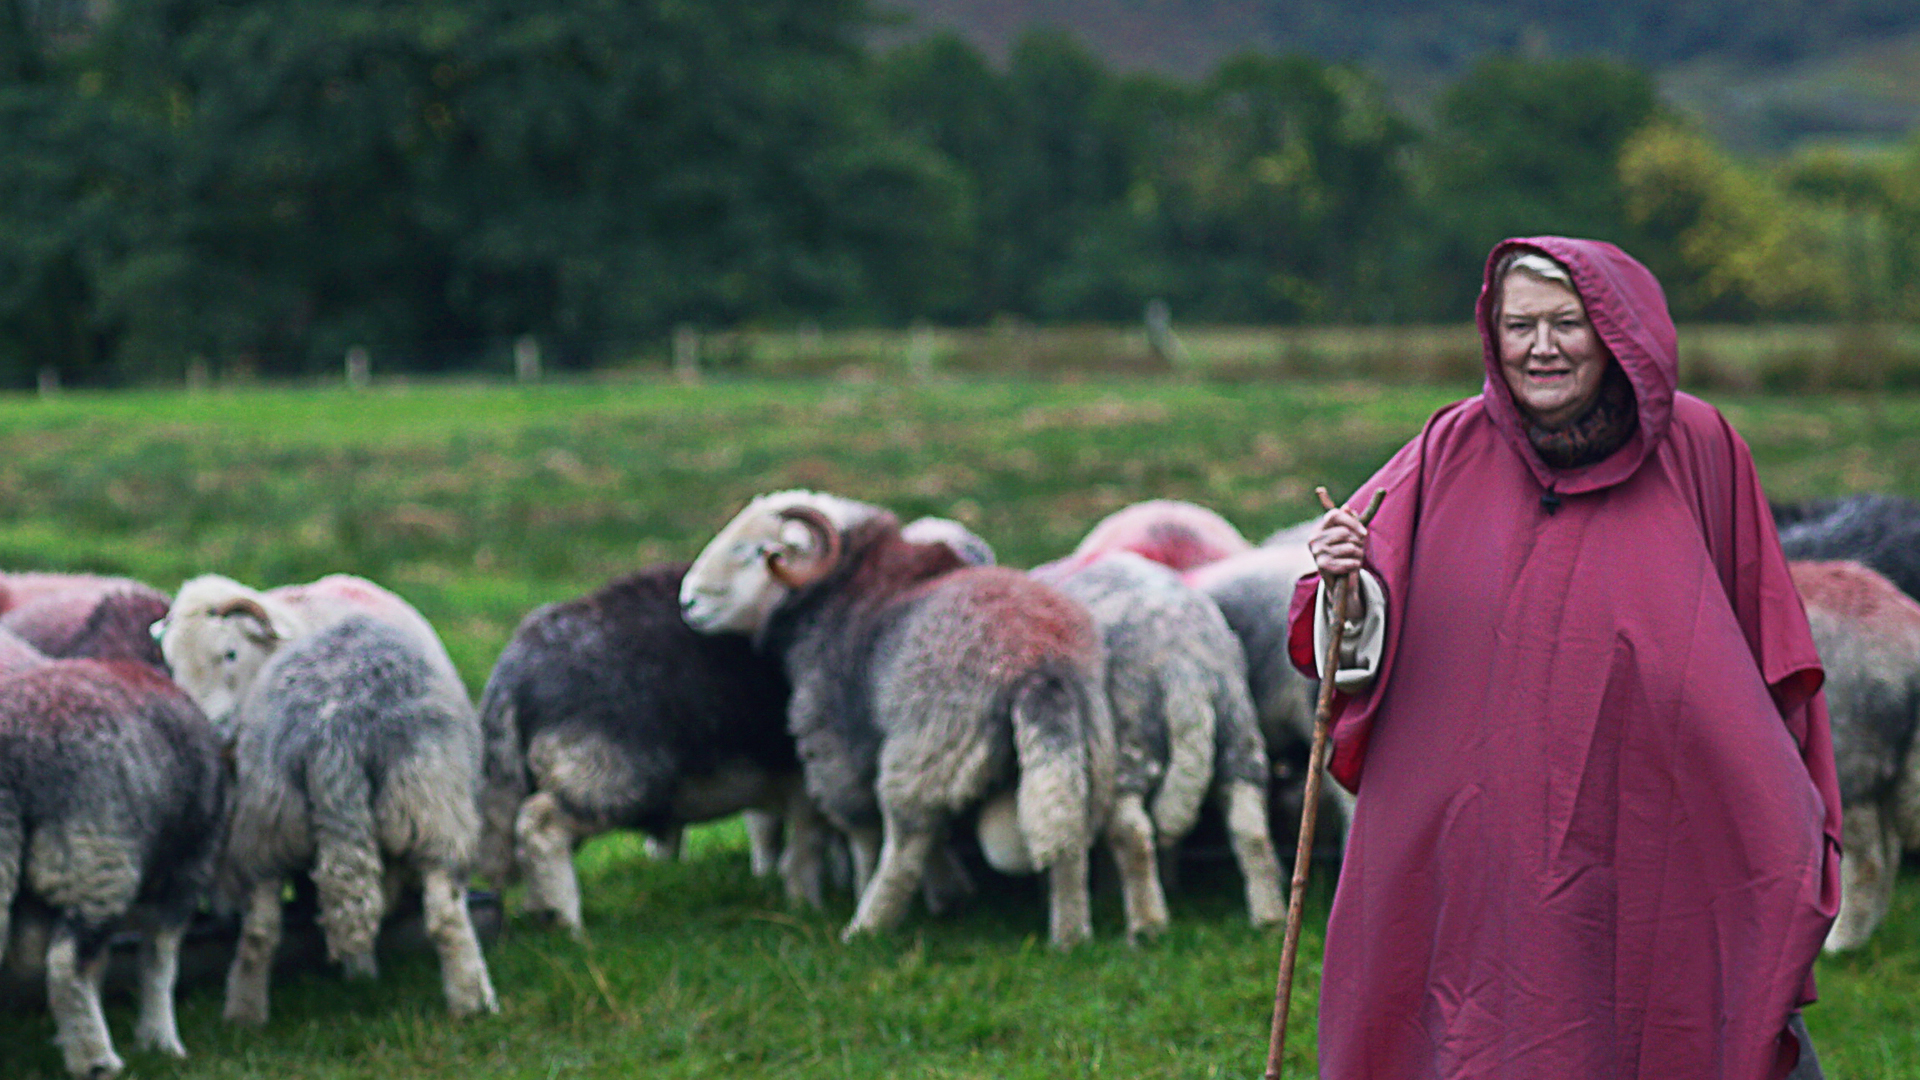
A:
608	712
1882	531
111	791
218	632
923	690
1868	635
97	624
1184	723
357	757
1177	534
1252	591
22	588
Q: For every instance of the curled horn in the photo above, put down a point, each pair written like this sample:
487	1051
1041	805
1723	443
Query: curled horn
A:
247	605
826	553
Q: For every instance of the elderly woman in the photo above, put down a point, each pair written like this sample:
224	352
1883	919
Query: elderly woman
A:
1597	832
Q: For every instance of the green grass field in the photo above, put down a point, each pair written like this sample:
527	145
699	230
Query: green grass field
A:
480	502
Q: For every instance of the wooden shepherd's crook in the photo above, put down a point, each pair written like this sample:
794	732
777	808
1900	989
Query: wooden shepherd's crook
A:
1310	804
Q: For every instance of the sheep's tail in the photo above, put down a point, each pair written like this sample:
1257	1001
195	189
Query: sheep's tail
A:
503	782
13	848
348	871
1052	723
1188	699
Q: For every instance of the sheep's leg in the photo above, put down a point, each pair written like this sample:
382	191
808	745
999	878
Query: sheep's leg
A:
547	835
1069	909
803	858
1252	843
73	996
253	955
1130	839
763	840
159	971
463	970
903	859
663	846
1867	871
864	846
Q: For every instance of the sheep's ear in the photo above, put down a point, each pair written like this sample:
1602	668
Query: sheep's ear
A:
797	565
259	623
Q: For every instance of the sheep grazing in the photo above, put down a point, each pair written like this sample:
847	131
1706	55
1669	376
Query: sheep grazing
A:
111	791
1253	590
357	756
1868	635
1183	721
1176	534
1881	531
923	690
613	713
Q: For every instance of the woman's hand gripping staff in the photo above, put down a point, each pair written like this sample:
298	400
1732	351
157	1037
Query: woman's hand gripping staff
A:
1339	548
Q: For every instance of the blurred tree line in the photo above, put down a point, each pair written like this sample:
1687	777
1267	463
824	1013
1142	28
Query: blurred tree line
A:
258	187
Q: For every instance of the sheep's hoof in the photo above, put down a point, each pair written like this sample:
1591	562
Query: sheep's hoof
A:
164	1042
1066	940
105	1069
247	1013
1145	933
473	1004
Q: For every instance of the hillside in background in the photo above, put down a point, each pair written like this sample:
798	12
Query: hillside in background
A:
1763	74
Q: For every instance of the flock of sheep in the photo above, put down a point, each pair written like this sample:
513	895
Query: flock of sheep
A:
854	685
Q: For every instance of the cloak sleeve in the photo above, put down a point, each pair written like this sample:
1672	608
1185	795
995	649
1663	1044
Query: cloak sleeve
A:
1389	557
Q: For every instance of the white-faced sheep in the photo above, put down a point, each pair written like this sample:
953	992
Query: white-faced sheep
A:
111	790
607	712
1868	635
923	690
357	757
1184	723
218	632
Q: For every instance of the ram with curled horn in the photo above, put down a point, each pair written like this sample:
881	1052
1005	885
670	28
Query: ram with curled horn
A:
927	693
818	560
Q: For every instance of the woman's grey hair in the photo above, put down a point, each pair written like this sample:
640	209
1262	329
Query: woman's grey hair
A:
1534	265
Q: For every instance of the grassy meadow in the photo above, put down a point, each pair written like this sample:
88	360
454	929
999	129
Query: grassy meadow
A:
478	502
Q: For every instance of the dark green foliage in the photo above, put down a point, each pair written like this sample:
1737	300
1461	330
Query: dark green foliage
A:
429	178
239	187
1524	149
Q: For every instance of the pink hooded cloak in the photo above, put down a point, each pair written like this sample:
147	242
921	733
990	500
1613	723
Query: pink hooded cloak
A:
1598	827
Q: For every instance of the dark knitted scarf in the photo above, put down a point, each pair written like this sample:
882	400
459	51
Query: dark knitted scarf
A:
1605	427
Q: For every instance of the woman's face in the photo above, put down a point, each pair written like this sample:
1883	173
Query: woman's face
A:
1552	359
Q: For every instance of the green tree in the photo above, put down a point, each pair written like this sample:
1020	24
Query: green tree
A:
1525	148
1736	244
1279	191
430	178
52	138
